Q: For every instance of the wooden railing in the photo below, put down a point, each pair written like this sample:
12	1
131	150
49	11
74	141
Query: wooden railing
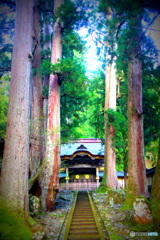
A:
79	186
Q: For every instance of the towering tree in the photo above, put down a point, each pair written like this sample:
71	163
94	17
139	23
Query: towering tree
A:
46	47
14	182
136	165
50	176
36	124
110	102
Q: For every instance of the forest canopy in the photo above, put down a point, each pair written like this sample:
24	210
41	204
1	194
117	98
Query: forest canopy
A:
82	104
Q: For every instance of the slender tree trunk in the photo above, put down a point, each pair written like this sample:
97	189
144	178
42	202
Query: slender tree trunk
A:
110	102
155	193
136	164
47	33
14	182
36	154
50	178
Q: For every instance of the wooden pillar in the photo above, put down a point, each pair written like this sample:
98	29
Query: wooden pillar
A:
97	176
67	179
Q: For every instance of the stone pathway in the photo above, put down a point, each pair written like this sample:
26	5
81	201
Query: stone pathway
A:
83	225
119	224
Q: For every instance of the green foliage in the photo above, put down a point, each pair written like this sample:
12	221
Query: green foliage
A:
69	15
151	152
73	97
87	117
4	97
151	101
95	112
102	189
12	225
119	122
47	67
122	30
151	111
6	36
45	91
72	43
155	193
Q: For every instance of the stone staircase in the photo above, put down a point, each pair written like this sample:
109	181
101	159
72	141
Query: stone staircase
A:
83	225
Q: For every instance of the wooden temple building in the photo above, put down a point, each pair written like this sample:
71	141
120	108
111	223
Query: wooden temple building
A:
83	165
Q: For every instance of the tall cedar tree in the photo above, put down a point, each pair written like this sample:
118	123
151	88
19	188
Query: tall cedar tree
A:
130	16
14	179
47	33
50	176
36	130
110	102
136	164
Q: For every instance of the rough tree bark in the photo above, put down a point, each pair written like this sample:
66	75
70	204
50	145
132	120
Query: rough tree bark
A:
136	164
110	179
110	102
36	137
50	176
14	182
47	45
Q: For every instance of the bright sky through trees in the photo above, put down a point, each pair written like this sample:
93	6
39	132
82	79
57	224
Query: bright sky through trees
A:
154	32
92	63
91	56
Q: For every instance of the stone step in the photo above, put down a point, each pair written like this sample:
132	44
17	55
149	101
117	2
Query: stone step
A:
84	237
85	223
79	227
82	231
83	220
81	208
83	211
82	217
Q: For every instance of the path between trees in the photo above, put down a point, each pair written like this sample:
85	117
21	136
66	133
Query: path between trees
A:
115	223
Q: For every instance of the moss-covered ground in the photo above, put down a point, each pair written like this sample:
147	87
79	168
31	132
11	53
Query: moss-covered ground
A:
12	225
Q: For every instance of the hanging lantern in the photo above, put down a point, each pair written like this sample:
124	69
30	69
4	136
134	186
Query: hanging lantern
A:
86	176
77	176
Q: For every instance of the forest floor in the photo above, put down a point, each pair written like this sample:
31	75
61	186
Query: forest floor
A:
119	224
52	222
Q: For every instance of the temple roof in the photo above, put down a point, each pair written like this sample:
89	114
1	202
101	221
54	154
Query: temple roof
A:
92	145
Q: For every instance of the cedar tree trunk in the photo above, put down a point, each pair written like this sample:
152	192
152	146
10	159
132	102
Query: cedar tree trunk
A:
50	176
136	164
36	101
14	182
110	102
47	33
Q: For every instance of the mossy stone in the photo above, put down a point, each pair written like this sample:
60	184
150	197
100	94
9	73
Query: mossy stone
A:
118	196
